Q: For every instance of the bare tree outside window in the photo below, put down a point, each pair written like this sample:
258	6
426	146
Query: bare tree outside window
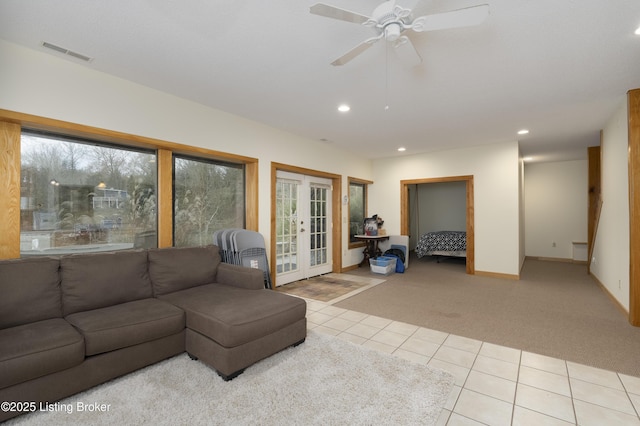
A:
208	196
78	195
357	208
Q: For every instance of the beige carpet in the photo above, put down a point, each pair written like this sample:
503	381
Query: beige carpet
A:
330	288
555	309
324	381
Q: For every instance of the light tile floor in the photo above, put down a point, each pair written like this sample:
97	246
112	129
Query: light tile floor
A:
495	385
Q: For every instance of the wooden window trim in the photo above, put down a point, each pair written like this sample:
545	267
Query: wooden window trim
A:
10	190
11	125
633	105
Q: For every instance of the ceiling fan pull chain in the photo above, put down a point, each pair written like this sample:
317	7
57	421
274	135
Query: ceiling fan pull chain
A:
386	79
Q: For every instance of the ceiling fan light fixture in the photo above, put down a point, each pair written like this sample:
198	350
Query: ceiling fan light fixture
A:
392	32
390	21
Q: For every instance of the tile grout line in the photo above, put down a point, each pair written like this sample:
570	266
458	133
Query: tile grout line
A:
463	386
413	334
515	393
628	395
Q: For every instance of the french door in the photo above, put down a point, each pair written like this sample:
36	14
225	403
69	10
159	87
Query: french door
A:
303	227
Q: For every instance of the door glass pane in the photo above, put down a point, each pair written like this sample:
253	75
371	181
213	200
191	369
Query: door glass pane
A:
318	228
286	226
80	196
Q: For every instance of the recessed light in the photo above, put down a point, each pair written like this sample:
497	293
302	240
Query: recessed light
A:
527	159
523	132
402	149
344	108
637	32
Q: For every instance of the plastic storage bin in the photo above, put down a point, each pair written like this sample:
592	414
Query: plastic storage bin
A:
383	265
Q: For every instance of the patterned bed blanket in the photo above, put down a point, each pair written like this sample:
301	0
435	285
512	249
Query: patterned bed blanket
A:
445	243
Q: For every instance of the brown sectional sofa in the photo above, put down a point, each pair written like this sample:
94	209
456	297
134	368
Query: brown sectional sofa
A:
69	323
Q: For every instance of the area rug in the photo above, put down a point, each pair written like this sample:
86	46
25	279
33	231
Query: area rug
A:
324	381
330	288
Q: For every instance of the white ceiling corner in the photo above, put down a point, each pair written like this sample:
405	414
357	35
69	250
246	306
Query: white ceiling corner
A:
558	68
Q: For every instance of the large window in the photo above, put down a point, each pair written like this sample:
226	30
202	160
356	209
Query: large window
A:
78	195
208	196
357	209
74	188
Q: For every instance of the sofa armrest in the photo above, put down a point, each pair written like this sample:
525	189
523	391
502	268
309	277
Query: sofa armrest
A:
240	276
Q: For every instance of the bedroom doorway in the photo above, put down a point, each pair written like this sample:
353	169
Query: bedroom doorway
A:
405	211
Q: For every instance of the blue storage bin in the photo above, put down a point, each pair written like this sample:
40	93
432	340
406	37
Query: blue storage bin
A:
383	265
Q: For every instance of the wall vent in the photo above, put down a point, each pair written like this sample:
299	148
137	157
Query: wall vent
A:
65	51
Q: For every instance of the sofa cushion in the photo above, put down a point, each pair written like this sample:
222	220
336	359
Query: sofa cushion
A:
37	349
96	280
30	290
240	276
127	324
178	268
233	316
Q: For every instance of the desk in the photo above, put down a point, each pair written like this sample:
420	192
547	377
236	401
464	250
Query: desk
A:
371	248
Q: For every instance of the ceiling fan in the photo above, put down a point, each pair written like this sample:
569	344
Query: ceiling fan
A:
391	21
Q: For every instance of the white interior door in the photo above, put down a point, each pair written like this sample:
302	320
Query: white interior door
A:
303	227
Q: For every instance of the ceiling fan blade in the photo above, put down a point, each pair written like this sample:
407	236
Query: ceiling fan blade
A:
466	17
355	51
329	11
406	51
421	8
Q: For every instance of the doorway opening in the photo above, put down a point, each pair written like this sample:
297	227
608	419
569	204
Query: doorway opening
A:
405	209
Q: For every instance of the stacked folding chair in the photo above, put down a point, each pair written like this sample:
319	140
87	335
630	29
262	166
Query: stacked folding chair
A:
220	239
245	248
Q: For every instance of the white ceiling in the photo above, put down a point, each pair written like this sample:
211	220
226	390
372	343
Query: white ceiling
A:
559	68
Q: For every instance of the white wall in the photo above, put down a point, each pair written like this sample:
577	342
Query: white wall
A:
610	263
41	84
556	206
496	196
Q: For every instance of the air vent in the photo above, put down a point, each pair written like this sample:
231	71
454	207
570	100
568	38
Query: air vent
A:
67	52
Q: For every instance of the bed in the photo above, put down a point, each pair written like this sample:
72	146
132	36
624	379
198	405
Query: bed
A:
442	243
